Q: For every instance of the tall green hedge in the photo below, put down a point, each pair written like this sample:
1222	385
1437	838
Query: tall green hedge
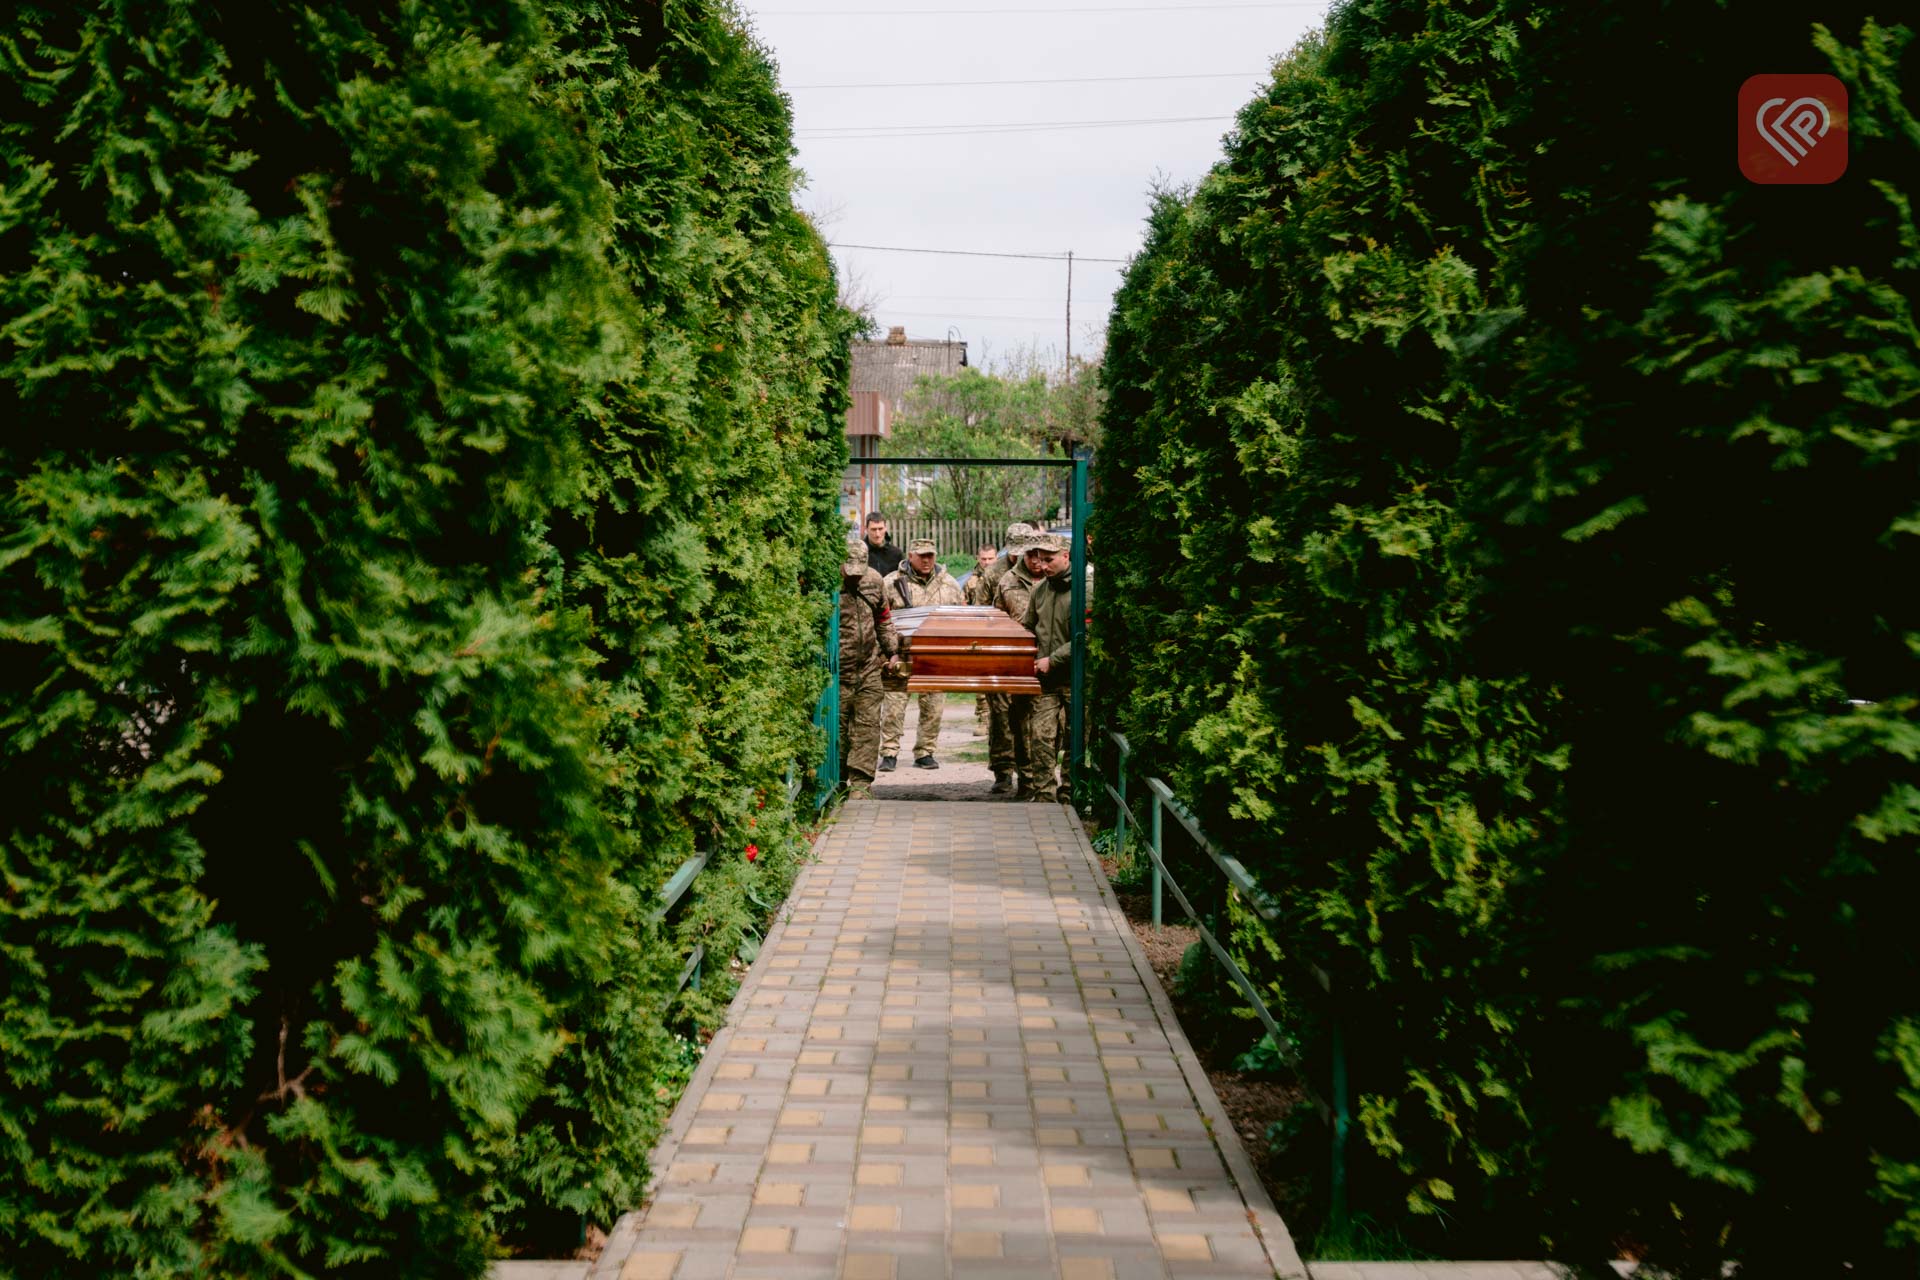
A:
421	435
1507	527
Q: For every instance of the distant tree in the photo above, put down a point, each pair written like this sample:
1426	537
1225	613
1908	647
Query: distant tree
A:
1017	409
1069	413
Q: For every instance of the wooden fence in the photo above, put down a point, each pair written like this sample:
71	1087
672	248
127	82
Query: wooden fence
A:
950	537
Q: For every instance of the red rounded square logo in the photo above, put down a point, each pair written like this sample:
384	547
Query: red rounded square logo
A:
1793	129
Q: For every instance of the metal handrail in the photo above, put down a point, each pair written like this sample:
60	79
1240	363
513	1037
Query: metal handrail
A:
671	892
679	882
1236	873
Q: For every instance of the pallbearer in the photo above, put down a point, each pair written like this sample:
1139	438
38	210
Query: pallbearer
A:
978	589
868	645
922	580
1011	596
1017	534
1005	748
1049	616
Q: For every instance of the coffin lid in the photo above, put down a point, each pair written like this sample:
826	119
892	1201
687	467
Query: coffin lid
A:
955	620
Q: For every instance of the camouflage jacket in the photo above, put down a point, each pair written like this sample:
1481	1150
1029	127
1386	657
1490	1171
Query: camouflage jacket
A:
908	590
996	571
1012	593
978	588
867	637
1049	615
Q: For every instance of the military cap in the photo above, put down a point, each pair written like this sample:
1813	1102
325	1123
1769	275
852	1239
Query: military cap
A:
1018	532
856	556
1042	541
920	547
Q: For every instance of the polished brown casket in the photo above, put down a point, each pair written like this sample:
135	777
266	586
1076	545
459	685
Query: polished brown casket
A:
962	648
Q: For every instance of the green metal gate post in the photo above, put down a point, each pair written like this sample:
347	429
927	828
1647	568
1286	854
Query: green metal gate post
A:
826	713
1157	864
1077	709
1338	1209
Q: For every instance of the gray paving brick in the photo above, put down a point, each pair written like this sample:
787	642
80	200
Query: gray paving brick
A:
945	1063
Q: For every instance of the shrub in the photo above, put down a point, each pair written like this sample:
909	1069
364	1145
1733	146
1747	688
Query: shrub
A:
1540	485
423	435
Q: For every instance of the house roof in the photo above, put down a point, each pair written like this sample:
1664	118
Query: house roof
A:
892	365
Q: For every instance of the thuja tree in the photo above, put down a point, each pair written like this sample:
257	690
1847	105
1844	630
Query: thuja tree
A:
698	554
1530	628
413	482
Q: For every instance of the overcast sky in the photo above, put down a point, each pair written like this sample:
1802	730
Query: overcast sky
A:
880	174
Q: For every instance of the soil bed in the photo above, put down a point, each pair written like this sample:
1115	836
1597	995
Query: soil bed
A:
1253	1103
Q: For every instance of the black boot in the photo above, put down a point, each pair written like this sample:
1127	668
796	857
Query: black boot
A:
887	763
1001	785
926	762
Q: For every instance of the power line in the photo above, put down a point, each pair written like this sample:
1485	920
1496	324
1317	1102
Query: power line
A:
950	13
974	297
966	315
1001	124
970	253
974	84
983	133
959	131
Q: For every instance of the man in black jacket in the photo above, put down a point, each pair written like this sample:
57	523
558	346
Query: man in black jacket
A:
883	557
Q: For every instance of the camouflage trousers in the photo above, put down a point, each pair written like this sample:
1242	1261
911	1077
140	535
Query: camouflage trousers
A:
1007	732
926	738
860	711
1046	739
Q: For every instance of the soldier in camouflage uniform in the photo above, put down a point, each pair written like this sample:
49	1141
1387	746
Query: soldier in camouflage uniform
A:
1007	749
978	590
868	644
1049	615
1003	745
1017	534
920	580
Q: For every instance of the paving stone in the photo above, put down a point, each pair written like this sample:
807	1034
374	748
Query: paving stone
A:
651	1266
944	1065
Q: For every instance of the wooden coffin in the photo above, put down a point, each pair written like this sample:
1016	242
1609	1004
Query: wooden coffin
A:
959	648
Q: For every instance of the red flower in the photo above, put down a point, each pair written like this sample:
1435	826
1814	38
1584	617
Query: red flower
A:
753	851
752	823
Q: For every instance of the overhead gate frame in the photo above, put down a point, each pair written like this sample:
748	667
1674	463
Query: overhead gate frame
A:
1079	507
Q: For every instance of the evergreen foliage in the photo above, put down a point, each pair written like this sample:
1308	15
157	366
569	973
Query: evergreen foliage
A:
423	425
1506	515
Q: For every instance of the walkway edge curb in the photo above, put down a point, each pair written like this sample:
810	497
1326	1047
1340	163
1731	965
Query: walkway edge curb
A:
626	1231
1273	1233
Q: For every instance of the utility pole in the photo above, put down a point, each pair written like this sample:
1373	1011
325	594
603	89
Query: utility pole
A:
1069	315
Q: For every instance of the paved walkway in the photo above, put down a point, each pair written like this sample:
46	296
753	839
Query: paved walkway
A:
963	773
950	1060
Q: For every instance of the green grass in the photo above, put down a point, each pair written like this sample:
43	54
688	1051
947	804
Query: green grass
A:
1361	1239
1132	867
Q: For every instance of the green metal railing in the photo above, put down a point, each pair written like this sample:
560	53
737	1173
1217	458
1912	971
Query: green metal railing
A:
1162	801
670	894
